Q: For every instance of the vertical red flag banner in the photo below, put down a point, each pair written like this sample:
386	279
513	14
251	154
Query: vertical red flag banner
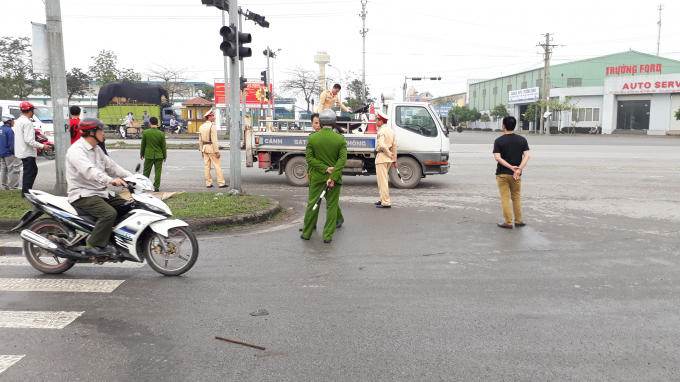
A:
220	100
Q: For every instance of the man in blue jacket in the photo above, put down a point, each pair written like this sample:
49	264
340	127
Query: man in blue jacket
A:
10	165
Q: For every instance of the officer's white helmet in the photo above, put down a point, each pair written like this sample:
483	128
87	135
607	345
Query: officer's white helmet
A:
7	118
327	117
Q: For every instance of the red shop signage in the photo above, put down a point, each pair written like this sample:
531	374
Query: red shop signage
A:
632	69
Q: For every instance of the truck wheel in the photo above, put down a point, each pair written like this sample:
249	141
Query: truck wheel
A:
296	169
410	170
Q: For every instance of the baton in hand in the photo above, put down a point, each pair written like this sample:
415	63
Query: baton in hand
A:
318	202
399	174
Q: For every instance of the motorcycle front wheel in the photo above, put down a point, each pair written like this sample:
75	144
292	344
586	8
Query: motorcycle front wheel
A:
49	154
181	255
41	259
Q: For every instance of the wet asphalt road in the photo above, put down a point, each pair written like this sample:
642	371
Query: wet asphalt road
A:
430	290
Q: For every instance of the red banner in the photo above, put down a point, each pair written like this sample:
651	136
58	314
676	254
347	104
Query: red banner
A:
254	93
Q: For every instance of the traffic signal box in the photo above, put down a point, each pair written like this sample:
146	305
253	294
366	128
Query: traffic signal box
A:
233	40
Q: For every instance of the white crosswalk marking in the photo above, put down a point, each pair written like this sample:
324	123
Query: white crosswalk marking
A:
37	320
20	261
58	285
8	360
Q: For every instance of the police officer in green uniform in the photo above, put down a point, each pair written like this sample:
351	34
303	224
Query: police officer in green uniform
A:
154	152
326	156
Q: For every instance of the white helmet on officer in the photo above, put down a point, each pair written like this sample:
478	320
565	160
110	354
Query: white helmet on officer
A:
327	117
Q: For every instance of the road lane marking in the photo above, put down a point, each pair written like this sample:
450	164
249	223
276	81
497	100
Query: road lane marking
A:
58	285
8	360
21	261
37	320
46	163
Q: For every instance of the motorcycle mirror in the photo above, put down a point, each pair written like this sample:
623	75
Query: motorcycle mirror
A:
139	165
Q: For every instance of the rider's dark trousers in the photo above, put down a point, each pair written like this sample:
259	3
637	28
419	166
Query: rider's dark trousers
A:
103	210
30	173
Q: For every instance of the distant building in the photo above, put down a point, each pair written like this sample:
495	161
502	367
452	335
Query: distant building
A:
453	100
628	92
413	96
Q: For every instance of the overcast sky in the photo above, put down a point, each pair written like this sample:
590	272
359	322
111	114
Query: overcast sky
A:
457	40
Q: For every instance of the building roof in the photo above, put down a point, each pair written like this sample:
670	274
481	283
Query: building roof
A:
198	101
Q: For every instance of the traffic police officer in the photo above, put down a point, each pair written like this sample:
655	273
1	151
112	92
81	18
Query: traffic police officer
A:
326	156
329	98
386	157
210	150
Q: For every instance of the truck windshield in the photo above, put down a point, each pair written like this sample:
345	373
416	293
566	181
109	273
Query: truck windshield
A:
44	113
438	121
416	119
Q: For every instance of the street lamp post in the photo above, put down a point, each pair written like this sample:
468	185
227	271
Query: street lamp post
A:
338	69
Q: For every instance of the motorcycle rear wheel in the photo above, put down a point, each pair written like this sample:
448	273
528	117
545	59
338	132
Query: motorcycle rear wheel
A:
183	251
39	258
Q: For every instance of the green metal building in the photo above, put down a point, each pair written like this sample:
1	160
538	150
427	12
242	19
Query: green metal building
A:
585	79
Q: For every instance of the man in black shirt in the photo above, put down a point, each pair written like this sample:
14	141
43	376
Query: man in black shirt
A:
512	154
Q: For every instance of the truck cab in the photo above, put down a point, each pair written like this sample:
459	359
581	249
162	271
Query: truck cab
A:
42	117
169	112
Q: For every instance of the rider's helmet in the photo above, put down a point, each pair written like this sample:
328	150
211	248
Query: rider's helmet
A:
91	124
327	117
7	118
26	106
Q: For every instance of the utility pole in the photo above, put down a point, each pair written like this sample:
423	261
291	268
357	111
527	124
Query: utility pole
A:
235	125
227	106
59	94
269	76
658	40
547	51
363	32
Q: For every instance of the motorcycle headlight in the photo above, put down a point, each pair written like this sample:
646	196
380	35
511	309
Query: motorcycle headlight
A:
155	209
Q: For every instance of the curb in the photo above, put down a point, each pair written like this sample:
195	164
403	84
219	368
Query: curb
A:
254	217
198	224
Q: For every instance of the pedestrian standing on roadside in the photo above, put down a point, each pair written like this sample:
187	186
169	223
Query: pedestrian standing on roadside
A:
386	158
317	126
145	119
25	146
512	154
10	165
74	122
326	154
210	150
154	152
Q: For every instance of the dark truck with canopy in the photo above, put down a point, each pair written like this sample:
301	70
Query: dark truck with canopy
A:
116	100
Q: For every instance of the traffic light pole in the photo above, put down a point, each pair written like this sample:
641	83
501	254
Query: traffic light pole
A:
55	46
226	75
269	78
235	130
243	92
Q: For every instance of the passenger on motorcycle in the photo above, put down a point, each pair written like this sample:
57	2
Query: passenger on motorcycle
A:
174	128
88	173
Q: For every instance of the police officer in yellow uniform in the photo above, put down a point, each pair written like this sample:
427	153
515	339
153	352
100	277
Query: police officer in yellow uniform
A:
210	150
329	98
386	157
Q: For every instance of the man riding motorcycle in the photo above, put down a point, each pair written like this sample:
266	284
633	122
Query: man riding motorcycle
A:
88	173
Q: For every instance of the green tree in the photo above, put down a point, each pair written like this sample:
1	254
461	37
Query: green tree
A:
77	84
556	107
499	112
208	92
104	70
485	118
677	114
532	112
462	113
16	68
475	115
353	91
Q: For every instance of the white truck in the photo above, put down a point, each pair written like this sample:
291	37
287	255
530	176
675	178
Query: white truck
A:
423	145
42	117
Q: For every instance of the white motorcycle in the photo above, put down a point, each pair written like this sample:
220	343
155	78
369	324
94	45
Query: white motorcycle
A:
142	231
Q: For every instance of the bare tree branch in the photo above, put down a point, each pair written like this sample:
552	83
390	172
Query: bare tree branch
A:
174	80
301	81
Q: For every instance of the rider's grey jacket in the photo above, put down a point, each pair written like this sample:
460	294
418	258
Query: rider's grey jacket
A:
89	170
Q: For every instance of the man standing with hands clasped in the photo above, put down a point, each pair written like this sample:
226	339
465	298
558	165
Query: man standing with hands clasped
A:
512	154
25	146
154	152
326	156
386	158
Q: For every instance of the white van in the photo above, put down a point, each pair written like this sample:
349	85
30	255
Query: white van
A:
42	118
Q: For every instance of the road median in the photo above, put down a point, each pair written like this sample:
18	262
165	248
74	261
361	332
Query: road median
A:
202	210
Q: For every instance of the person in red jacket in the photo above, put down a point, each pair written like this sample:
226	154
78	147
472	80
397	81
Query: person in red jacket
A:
73	123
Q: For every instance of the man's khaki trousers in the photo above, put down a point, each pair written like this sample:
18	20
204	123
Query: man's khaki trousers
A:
510	189
212	158
382	170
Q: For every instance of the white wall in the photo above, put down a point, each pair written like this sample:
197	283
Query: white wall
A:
659	114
